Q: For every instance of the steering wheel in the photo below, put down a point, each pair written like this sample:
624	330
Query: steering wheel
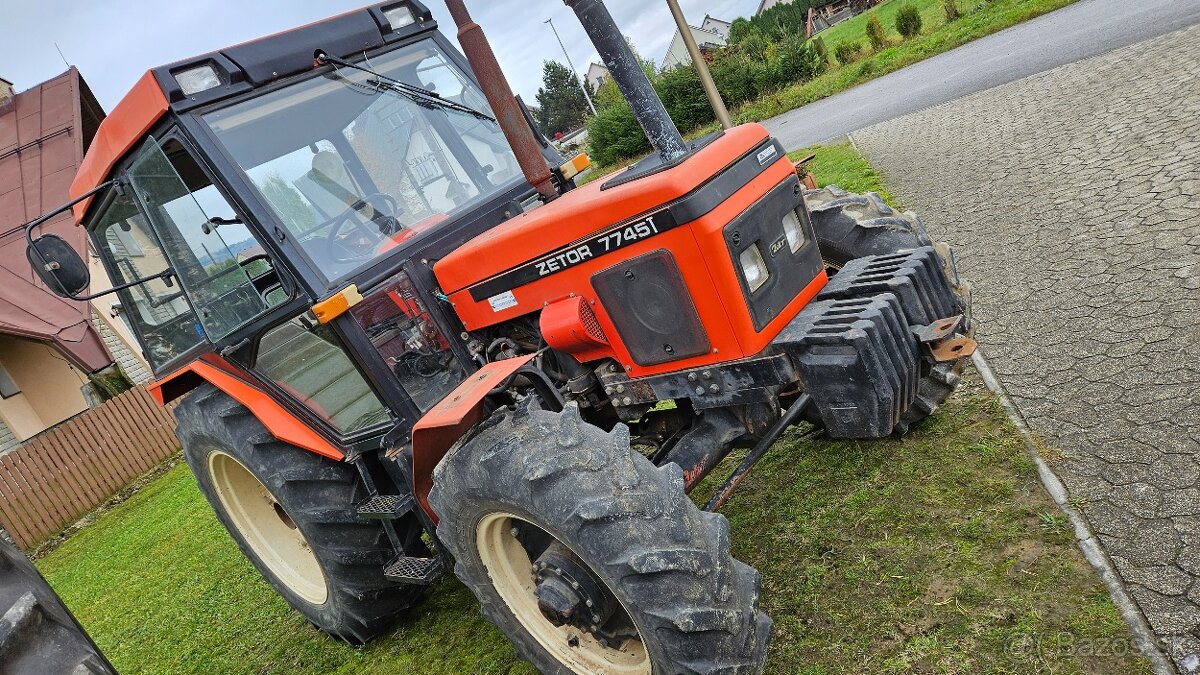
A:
360	242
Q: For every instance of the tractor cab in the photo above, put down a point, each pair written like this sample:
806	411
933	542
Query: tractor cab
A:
234	192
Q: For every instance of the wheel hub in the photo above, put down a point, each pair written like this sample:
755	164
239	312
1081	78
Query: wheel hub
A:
567	593
557	601
561	603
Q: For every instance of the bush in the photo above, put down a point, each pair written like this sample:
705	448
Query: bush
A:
741	72
734	77
607	94
908	22
766	76
614	134
875	33
683	96
951	8
847	52
756	46
799	60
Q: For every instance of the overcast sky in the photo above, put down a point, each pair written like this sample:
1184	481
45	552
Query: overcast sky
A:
113	42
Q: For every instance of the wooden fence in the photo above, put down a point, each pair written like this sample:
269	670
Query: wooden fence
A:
58	476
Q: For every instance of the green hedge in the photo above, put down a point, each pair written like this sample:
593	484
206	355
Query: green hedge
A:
741	73
614	134
683	96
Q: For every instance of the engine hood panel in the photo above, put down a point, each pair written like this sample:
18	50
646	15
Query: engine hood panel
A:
591	220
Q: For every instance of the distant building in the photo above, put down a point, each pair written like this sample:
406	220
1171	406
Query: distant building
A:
48	346
830	13
596	75
715	25
711	34
814	24
764	5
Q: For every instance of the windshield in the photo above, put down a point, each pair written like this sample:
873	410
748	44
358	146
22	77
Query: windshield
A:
352	169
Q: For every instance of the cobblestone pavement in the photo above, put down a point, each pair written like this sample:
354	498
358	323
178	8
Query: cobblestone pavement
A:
1073	200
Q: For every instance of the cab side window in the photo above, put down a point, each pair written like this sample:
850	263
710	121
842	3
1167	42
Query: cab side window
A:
157	309
214	256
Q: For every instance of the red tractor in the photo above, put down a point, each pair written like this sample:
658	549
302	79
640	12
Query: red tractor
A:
403	340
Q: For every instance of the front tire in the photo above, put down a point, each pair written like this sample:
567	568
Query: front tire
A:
850	226
293	515
667	564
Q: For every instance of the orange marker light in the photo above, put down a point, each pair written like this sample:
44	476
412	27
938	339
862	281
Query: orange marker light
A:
575	165
335	305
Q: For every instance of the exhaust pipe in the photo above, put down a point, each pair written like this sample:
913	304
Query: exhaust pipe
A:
625	70
504	104
701	66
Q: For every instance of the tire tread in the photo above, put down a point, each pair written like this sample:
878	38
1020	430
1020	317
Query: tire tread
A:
38	634
320	495
631	521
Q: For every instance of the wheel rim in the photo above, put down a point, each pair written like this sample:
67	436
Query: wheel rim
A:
267	528
508	566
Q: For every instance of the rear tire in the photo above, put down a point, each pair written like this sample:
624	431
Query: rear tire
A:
694	607
850	226
293	514
38	634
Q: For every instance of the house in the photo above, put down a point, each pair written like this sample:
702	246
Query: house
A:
830	13
596	75
764	5
50	348
815	23
838	11
715	25
711	34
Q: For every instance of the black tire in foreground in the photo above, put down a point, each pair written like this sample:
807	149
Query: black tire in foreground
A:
293	514
851	226
38	634
664	565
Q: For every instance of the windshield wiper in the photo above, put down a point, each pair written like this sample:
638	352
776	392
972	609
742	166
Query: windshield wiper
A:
419	95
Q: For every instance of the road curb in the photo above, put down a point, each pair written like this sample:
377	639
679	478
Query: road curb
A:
1089	545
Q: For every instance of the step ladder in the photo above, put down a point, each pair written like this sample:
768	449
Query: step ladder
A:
403	569
386	507
415	571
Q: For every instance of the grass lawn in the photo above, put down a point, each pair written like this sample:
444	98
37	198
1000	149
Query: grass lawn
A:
839	164
938	553
979	18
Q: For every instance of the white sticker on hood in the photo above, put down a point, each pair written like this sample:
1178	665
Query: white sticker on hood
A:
502	301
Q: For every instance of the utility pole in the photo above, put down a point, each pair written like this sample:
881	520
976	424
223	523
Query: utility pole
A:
706	81
574	74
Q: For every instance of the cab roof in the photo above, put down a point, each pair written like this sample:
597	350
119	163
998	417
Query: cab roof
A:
240	68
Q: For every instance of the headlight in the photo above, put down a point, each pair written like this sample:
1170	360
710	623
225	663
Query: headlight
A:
793	230
754	268
400	16
198	79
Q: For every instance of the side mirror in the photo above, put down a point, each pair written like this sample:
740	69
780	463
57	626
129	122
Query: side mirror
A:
58	265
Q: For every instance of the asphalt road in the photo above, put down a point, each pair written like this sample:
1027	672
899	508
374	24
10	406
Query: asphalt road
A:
1087	28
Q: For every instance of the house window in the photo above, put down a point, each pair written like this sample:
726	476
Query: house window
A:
8	388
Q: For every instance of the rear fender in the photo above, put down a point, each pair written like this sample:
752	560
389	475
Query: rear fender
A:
435	433
282	424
